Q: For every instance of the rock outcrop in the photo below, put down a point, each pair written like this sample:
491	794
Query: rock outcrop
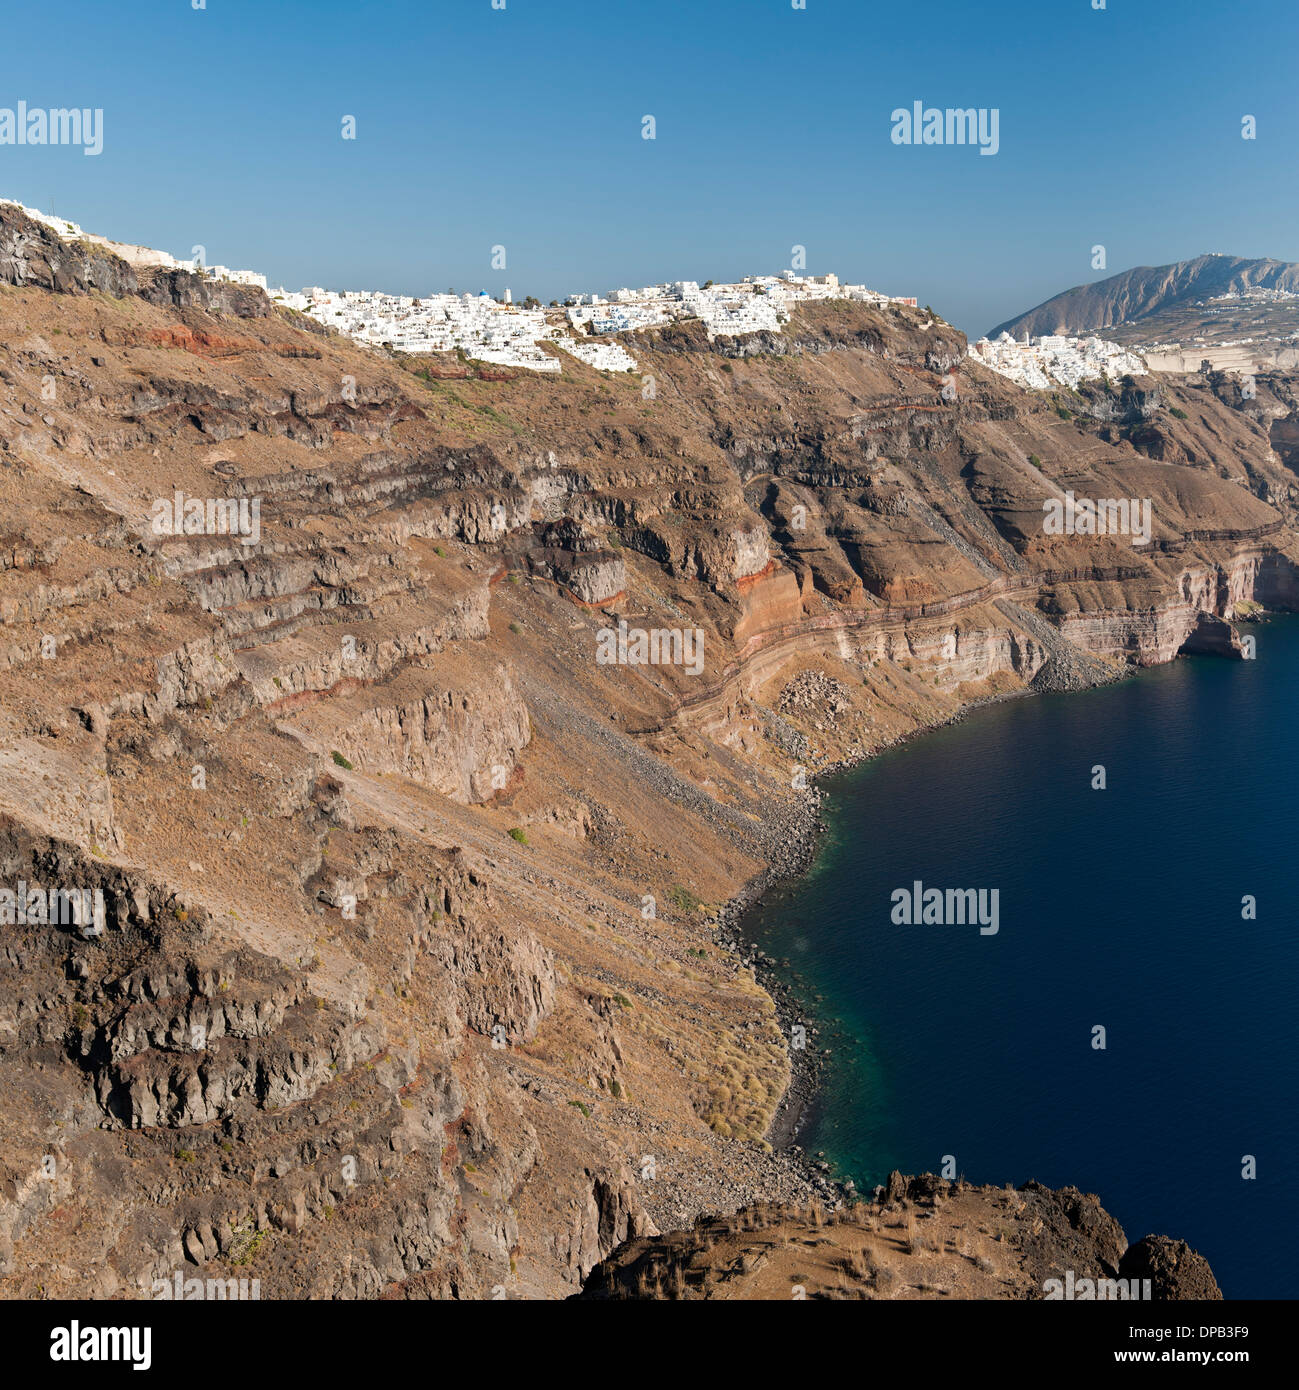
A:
1174	1270
922	1237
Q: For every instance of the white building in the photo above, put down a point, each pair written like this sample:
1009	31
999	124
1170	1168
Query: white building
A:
607	357
1054	360
505	334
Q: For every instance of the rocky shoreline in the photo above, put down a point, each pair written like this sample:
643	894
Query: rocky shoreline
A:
790	835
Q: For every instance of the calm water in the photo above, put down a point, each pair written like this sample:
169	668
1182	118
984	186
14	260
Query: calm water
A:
1119	907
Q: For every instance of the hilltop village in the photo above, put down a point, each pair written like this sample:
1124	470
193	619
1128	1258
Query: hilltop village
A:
502	332
511	335
1056	360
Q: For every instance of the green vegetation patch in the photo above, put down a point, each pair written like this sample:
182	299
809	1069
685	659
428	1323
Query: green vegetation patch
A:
684	900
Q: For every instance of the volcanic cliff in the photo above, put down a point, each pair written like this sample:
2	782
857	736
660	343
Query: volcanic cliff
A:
411	979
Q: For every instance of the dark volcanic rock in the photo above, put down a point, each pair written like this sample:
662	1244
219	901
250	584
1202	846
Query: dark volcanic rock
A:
1067	1229
31	254
185	290
1175	1270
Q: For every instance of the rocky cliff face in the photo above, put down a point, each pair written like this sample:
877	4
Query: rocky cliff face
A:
411	808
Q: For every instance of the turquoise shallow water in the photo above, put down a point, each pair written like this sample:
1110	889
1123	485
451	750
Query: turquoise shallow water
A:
1119	908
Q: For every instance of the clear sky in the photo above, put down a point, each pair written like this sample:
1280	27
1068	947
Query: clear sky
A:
522	127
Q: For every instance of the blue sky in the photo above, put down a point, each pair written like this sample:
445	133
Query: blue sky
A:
521	127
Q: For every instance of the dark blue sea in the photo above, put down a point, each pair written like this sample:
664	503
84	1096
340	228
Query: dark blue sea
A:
1120	908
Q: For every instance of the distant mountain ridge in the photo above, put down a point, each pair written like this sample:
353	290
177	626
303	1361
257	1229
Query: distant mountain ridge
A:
1146	291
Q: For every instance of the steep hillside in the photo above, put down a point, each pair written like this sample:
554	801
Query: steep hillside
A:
412	978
